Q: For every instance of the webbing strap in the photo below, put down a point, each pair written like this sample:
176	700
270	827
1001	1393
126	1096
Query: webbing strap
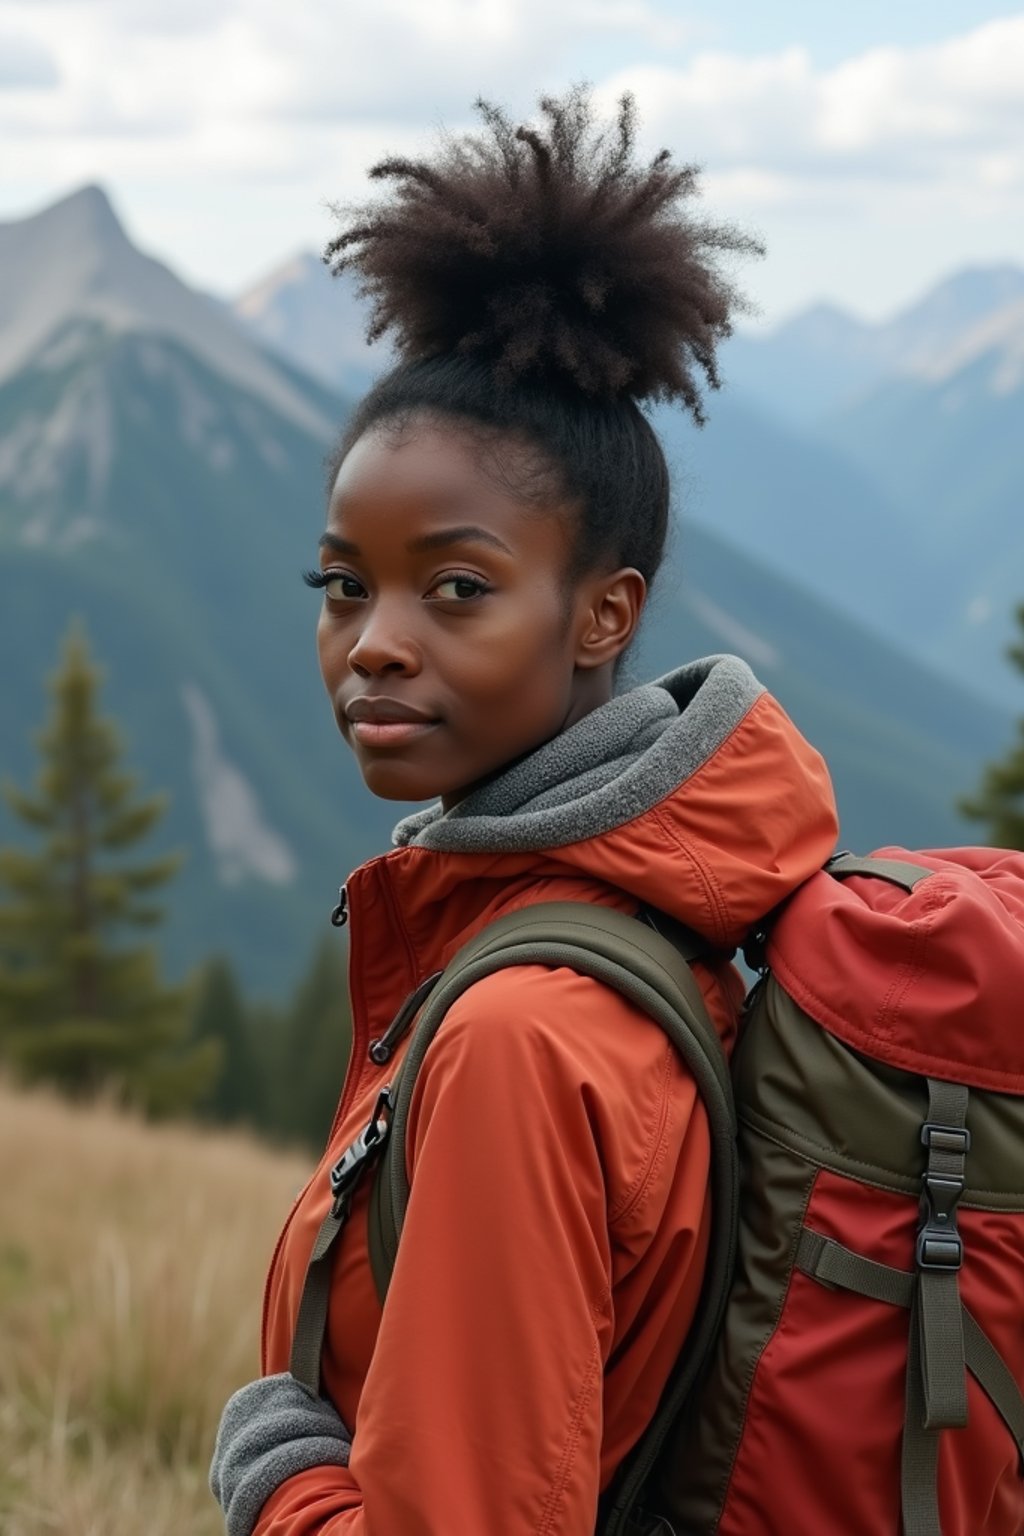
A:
345	1177
825	1260
308	1339
919	1457
896	871
988	1367
939	1256
828	1261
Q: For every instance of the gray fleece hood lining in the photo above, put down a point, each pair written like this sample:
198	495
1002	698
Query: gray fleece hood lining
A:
610	767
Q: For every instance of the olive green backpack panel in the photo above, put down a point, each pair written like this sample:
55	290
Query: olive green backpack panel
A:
800	1086
693	1472
806	1102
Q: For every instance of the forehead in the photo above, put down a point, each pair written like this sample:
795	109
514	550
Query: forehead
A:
429	470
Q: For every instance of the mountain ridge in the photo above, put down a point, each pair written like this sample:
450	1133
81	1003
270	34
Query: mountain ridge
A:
73	260
173	506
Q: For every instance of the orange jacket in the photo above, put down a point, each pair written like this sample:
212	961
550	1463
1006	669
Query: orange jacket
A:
558	1155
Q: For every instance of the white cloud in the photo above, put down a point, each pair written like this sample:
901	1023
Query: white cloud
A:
919	114
253	85
256	63
224	126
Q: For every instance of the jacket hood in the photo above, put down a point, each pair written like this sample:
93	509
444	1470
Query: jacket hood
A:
694	793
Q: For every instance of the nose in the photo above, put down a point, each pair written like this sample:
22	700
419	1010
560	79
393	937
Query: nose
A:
384	644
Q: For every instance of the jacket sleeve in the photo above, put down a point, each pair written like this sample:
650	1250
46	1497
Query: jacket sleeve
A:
482	1408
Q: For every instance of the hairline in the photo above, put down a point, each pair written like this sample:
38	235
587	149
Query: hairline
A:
489	436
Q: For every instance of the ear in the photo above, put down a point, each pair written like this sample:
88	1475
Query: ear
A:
610	609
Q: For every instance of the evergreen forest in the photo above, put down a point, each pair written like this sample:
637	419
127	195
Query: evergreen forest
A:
83	1002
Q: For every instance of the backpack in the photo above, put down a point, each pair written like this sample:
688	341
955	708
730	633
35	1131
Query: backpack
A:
854	1362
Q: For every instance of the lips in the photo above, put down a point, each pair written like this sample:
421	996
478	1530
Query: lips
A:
381	711
378	722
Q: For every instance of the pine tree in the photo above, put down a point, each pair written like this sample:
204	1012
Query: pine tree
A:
219	1013
315	1044
1000	798
77	1006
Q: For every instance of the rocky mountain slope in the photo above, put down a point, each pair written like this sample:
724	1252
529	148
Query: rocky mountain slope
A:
170	493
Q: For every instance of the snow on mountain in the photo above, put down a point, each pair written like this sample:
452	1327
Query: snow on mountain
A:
238	834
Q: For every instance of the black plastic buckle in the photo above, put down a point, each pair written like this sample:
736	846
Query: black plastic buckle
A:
354	1161
939	1244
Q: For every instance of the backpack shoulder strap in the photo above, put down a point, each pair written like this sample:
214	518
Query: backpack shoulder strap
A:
630	955
896	871
614	948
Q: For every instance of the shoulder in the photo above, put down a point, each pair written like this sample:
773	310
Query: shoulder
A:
535	1052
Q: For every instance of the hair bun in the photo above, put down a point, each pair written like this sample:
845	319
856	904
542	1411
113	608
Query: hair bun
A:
548	253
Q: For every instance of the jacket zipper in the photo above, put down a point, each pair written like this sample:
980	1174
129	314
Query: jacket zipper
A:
342	917
381	1049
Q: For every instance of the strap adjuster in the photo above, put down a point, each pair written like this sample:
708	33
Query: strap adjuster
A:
955	1139
939	1250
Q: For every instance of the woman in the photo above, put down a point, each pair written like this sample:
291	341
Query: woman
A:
498	511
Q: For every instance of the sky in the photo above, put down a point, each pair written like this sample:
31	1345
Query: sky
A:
874	147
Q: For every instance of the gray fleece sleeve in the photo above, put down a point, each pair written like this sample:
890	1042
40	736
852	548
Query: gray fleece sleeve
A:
270	1430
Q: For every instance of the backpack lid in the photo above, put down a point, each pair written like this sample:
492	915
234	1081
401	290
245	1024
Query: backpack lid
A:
930	980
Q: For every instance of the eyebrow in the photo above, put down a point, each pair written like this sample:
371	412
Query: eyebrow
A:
441	538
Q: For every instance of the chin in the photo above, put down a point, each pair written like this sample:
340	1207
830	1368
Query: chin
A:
390	781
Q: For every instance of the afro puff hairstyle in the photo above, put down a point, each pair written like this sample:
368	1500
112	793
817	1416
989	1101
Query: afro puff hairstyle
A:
541	284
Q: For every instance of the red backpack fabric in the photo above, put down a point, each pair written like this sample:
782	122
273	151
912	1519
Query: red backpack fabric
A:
867	1374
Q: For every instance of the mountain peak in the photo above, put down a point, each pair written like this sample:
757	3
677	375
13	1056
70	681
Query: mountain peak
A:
958	302
73	261
823	325
84	220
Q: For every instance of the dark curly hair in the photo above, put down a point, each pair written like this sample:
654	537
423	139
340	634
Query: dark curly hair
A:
541	285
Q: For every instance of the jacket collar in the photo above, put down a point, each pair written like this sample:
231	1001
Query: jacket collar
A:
695	794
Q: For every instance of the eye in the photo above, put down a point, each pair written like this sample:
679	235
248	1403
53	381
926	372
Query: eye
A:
338	586
333	583
471	586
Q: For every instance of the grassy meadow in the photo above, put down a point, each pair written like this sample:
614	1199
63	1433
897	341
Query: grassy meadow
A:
132	1260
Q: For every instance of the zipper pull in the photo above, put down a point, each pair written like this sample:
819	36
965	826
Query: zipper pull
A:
339	917
382	1049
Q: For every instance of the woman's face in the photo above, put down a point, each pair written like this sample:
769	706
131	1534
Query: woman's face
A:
444	597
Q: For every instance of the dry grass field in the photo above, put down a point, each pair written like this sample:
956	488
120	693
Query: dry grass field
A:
131	1270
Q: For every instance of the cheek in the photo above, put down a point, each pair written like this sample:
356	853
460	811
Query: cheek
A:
524	665
329	648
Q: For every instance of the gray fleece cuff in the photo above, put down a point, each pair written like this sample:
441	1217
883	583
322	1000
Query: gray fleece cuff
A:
270	1430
